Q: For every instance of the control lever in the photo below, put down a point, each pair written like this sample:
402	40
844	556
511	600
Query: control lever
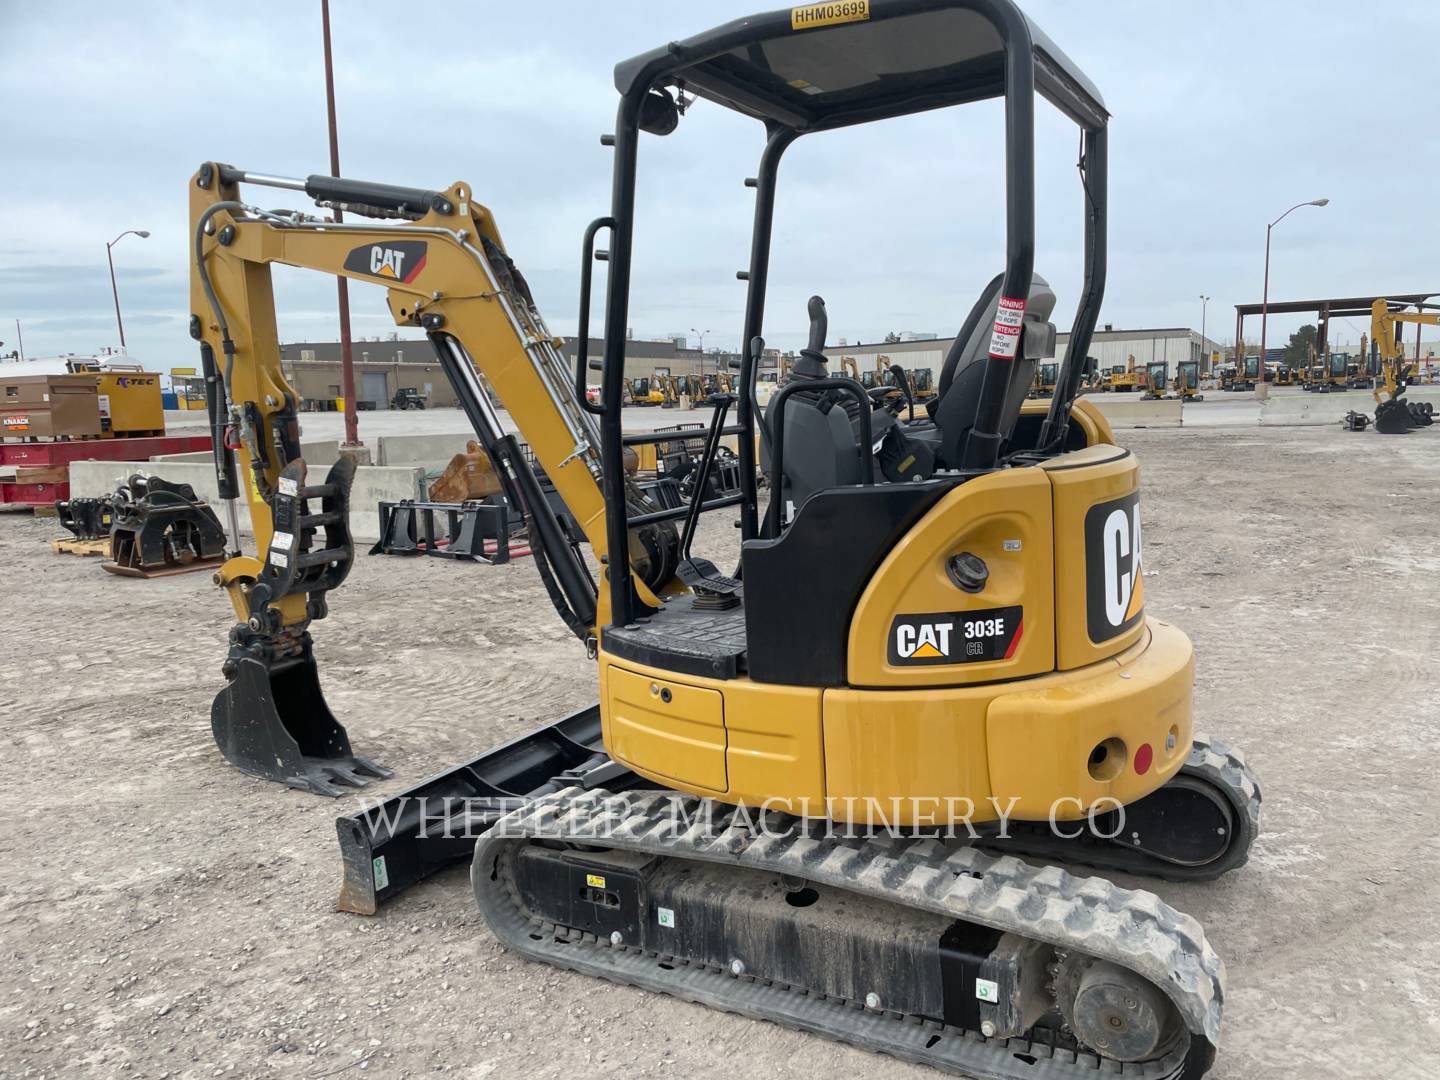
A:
818	325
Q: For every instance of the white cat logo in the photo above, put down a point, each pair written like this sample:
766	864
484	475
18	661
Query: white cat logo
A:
1120	537
927	640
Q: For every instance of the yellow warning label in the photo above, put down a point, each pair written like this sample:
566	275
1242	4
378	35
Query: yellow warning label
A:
832	14
595	881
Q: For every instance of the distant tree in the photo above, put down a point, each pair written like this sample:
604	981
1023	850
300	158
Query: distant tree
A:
891	338
1297	352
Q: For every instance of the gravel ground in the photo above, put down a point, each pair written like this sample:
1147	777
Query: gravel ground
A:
165	915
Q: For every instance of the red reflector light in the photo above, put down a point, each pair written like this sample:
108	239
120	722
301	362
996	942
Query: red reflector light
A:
1144	757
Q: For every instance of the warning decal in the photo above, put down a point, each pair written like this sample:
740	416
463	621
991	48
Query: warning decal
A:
1005	340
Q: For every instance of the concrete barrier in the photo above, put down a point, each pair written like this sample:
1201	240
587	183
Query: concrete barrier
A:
321	454
432	451
1137	414
373	484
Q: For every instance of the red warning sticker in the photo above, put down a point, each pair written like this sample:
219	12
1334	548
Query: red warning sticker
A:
1005	340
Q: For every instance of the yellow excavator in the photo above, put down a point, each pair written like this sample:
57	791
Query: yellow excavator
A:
1393	414
827	787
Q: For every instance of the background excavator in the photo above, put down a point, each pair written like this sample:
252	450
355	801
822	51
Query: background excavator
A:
1393	414
806	787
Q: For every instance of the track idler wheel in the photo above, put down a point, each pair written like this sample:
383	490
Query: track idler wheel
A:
1116	1013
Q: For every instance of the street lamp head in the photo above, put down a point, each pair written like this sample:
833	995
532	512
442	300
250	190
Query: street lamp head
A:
1319	202
143	234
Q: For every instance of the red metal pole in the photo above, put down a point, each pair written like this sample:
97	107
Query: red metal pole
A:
347	365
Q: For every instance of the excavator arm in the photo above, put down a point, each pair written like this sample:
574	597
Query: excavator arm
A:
443	262
1393	368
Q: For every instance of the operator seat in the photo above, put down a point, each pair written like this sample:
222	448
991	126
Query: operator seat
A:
957	397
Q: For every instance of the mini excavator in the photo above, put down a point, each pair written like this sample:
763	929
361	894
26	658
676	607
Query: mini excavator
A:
824	789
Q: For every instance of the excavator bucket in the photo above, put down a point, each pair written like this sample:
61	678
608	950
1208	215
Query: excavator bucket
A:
1393	417
468	476
271	721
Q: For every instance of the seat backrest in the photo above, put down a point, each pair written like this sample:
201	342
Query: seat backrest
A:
963	374
820	448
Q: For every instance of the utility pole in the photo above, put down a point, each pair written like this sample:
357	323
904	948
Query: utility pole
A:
342	285
20	341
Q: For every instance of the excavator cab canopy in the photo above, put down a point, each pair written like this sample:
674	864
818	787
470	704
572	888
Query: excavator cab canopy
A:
828	65
824	66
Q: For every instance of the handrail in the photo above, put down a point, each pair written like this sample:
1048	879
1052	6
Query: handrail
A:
588	257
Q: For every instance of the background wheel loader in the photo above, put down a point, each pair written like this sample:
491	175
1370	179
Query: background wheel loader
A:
806	787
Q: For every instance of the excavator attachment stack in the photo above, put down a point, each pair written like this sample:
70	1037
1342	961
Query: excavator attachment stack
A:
159	528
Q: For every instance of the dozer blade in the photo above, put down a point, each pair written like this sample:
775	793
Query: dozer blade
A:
392	845
271	721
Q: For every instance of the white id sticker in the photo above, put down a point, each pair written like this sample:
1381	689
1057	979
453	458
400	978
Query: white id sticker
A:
279	558
987	990
666	917
289	486
282	540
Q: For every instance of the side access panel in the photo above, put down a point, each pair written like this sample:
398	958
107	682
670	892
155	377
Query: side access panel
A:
665	728
916	626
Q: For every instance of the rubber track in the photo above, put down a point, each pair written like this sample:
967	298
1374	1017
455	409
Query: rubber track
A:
1134	929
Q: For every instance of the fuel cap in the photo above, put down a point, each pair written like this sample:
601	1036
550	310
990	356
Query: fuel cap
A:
968	571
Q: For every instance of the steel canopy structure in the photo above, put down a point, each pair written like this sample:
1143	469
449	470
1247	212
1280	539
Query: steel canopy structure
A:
1339	307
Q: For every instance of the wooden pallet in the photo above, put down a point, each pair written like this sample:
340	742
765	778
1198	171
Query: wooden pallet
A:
70	546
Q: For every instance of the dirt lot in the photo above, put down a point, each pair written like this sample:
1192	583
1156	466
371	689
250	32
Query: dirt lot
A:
164	915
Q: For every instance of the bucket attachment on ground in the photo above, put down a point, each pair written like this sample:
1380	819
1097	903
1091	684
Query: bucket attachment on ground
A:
271	719
88	519
1355	421
1393	417
160	528
469	476
391	845
477	531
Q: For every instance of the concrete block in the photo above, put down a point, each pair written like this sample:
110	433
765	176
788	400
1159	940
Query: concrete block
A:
319	454
1133	414
431	451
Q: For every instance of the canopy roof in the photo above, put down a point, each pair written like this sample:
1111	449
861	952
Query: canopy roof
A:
806	69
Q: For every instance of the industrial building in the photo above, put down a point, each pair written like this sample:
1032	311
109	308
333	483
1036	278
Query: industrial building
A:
382	367
1110	347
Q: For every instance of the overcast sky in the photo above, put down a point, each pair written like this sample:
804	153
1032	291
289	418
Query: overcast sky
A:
1225	114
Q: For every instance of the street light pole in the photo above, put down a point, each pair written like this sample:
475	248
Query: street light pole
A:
702	334
114	290
1204	352
342	286
1261	390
